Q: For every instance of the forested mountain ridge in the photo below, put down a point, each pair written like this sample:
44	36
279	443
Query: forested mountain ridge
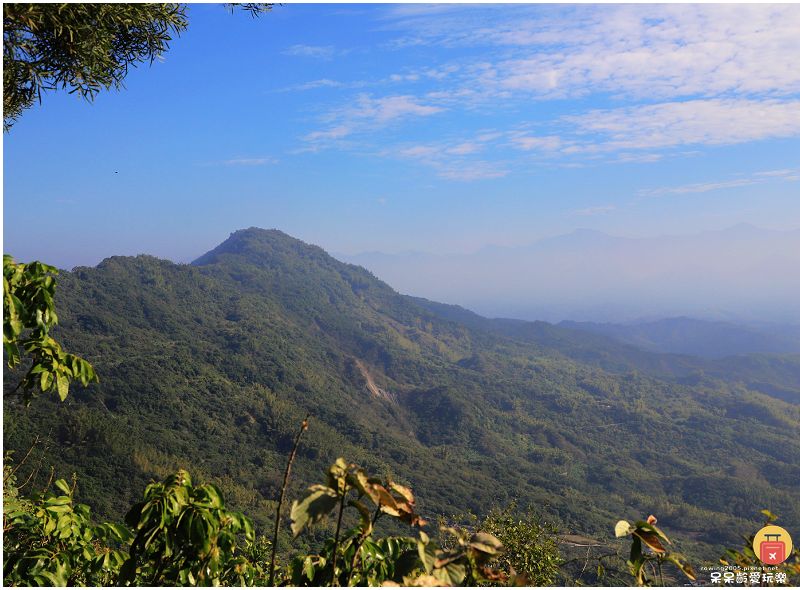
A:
211	367
600	345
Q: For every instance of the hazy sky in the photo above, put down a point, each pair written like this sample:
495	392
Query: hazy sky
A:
419	127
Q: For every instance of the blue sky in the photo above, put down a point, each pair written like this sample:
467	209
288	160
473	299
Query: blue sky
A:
440	128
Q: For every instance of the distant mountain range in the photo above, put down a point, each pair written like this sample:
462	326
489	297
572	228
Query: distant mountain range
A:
697	337
742	275
709	340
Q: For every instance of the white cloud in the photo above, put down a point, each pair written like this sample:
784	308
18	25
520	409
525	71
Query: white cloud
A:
463	149
366	114
391	107
325	82
627	157
422	152
473	171
776	172
252	161
688	75
745	180
449	160
700	187
523	141
335	132
709	122
654	51
309	51
488	136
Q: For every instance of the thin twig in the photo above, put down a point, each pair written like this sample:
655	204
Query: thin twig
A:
39	465
585	563
303	428
5	479
336	538
52	471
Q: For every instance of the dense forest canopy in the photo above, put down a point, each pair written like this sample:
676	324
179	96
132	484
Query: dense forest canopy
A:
210	367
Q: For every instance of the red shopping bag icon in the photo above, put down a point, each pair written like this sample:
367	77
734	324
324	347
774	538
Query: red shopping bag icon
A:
773	552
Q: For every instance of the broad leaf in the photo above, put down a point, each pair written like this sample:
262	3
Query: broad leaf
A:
623	528
681	562
366	520
315	503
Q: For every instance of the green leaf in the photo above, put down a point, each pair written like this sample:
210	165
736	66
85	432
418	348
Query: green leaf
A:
308	565
58	509
337	474
623	528
121	534
452	574
681	562
361	481
426	552
214	494
444	558
366	520
62	485
64	522
636	552
315	503
63	387
407	563
486	543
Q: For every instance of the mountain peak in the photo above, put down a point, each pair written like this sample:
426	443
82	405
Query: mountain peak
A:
253	245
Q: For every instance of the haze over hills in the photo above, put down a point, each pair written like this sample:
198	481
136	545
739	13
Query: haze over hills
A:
697	337
743	274
211	367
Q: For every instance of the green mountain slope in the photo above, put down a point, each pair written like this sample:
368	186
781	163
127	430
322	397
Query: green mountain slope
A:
211	367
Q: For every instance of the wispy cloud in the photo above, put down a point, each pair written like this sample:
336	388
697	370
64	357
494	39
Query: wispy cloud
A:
639	50
789	174
323	83
777	172
700	187
682	75
312	52
251	161
473	171
605	210
453	159
369	114
388	108
524	141
708	122
464	148
628	157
